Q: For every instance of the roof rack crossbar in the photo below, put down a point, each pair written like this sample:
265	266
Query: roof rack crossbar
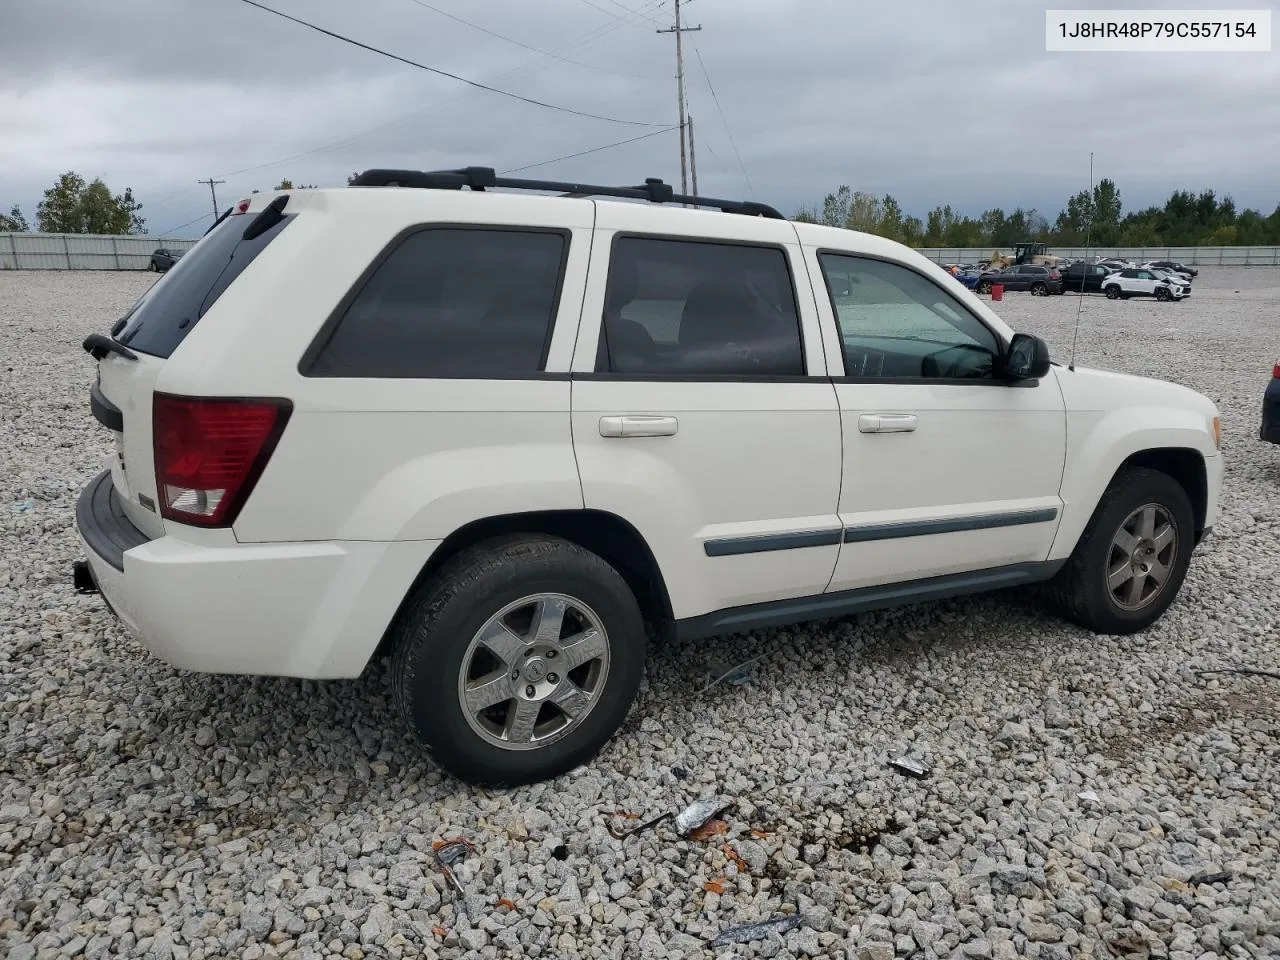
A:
653	189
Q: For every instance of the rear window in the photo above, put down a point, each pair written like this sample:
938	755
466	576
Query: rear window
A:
449	302
165	314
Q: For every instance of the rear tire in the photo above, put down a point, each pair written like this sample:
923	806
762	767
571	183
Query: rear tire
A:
1112	292
1039	289
439	661
1096	588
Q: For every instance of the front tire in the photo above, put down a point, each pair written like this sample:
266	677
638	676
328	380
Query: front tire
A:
1133	556
1113	292
984	287
519	660
1162	293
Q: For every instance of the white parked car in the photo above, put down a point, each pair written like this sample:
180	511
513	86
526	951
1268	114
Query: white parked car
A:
495	433
1137	282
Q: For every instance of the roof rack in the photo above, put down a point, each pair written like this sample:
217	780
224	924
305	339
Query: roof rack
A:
482	178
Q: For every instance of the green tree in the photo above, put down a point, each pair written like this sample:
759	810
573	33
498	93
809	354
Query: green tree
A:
73	206
15	222
287	184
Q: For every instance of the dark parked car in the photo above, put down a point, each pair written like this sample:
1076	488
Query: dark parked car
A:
1271	409
1039	280
1086	277
1175	265
163	259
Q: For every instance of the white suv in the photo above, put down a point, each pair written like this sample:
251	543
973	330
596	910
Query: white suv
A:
496	433
1141	282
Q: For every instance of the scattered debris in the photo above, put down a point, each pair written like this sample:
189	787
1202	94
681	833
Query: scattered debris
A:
1129	945
448	854
26	506
440	932
1209	876
508	903
712	828
648	824
714	886
736	675
560	852
910	767
1246	671
680	773
756	931
698	813
1089	796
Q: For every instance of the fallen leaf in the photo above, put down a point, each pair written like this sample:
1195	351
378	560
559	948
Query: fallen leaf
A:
733	855
714	886
625	815
440	932
759	834
712	828
509	904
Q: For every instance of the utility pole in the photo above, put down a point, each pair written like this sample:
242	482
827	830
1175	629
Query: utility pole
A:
679	30
693	155
211	182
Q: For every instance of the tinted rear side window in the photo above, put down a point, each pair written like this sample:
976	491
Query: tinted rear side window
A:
450	302
165	314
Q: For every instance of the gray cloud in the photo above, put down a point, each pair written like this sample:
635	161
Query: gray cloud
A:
931	101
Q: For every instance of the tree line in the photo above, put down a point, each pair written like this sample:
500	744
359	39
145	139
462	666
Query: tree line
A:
74	205
1186	219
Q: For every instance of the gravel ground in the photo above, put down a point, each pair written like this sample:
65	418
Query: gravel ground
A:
1089	796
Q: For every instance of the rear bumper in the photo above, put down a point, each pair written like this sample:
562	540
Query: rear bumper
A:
315	609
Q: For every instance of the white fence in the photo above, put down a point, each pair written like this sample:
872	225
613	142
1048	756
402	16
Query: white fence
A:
78	251
1192	256
81	251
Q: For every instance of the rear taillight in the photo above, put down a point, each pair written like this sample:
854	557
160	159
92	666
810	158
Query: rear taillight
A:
1275	372
210	452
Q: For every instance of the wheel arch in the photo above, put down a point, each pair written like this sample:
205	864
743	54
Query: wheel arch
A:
605	534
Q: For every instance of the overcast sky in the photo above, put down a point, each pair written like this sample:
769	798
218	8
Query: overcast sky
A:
932	101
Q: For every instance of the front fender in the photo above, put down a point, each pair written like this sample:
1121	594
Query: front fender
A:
1098	444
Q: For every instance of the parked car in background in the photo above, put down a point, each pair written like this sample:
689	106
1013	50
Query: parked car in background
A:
1270	431
1025	276
1113	264
1137	282
1174	265
164	258
1168	271
1081	277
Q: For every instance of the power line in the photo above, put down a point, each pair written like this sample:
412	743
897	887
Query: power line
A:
589	38
173	230
723	119
445	73
583	153
633	19
521	44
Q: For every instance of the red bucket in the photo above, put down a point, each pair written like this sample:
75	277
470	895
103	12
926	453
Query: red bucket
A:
997	291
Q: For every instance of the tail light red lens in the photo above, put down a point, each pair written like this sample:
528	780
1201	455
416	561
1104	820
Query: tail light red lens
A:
1275	372
210	452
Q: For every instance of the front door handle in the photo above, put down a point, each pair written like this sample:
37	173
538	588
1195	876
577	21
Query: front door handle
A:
887	423
638	426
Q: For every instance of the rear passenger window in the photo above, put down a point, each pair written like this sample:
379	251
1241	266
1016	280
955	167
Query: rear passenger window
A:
681	307
452	302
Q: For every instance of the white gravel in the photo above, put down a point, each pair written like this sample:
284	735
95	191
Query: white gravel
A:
1080	784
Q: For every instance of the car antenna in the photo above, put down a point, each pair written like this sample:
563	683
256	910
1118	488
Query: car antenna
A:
1088	235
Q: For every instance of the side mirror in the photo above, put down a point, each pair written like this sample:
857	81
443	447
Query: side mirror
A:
1027	358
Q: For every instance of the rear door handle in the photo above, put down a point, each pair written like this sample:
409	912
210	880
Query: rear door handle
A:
638	426
887	422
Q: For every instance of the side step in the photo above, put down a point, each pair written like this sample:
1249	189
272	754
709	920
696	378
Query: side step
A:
82	577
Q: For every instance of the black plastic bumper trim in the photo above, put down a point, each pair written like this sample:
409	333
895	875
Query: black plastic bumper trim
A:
102	522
